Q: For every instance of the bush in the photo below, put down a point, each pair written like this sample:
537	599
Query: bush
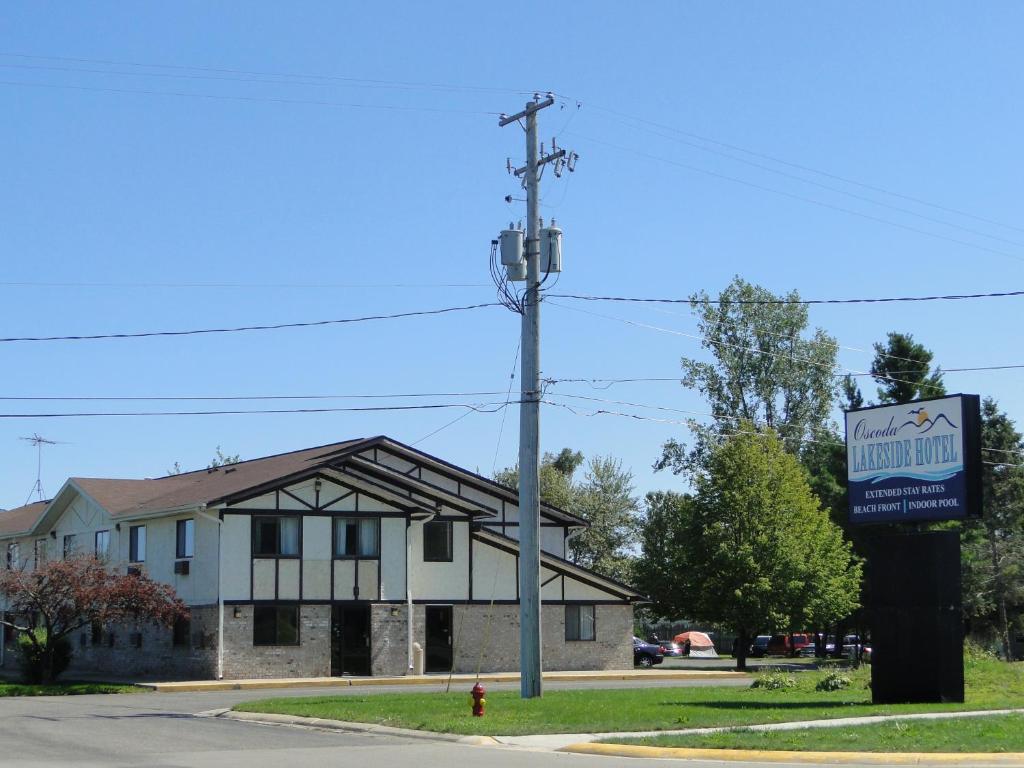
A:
33	659
832	681
774	680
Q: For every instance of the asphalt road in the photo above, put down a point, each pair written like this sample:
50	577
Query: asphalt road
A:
160	729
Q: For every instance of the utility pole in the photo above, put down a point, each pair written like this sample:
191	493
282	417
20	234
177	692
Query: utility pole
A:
530	660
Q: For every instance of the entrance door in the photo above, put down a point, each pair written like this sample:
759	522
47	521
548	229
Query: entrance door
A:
350	640
439	638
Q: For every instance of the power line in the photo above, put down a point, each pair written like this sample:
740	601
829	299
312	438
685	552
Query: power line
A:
801	198
508	397
707	342
478	407
283	286
837	190
873	300
287	76
253	99
277	326
130	398
809	169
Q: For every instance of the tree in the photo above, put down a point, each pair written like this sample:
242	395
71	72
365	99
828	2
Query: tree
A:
993	547
852	398
902	368
605	500
556	472
62	596
753	549
764	370
222	460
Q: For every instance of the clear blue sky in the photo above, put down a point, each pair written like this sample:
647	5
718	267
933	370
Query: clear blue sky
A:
116	192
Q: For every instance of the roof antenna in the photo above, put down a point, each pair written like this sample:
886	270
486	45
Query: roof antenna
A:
38	442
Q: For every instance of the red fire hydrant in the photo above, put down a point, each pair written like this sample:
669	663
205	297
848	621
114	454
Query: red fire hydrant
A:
478	700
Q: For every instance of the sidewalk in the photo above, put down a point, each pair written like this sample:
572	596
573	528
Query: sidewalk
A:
416	680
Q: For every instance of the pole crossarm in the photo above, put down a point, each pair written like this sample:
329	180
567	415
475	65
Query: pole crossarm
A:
549	158
529	110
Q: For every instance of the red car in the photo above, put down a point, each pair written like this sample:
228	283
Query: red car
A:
788	645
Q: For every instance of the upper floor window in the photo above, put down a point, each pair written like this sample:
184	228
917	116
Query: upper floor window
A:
275	536
102	543
356	537
437	541
12	556
137	544
70	545
39	551
186	538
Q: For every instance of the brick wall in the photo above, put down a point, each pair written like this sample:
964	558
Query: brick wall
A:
490	638
311	658
147	650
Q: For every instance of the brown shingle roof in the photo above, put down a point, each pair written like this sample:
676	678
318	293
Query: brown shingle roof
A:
21	519
129	497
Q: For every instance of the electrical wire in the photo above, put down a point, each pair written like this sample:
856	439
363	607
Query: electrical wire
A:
283	286
873	300
837	190
801	198
477	407
212	398
276	326
251	99
287	76
806	168
508	397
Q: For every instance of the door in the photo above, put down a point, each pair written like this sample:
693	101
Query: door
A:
439	638
350	640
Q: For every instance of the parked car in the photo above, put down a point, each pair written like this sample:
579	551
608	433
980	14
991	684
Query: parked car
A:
646	654
759	647
788	645
669	648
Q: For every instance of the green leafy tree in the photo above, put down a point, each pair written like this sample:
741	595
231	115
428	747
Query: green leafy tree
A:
764	369
902	368
993	547
605	500
753	550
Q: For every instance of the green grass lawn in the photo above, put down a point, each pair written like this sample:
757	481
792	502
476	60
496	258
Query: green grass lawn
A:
65	689
991	685
999	733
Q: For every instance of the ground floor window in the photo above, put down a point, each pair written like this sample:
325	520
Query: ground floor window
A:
579	622
180	633
275	625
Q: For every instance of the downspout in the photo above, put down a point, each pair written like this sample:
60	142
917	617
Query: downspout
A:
201	511
408	584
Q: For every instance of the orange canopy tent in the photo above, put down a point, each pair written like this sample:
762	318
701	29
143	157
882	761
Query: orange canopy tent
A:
700	643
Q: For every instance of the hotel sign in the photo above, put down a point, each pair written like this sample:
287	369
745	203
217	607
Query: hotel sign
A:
917	461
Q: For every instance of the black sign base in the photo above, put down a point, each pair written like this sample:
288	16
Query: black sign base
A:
916	624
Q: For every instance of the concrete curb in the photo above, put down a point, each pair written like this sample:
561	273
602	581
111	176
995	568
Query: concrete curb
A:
335	682
340	725
835	758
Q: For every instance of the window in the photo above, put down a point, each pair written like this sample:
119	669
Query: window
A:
186	537
437	541
356	537
12	556
579	622
96	631
275	625
180	633
39	551
70	545
137	544
102	543
275	536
